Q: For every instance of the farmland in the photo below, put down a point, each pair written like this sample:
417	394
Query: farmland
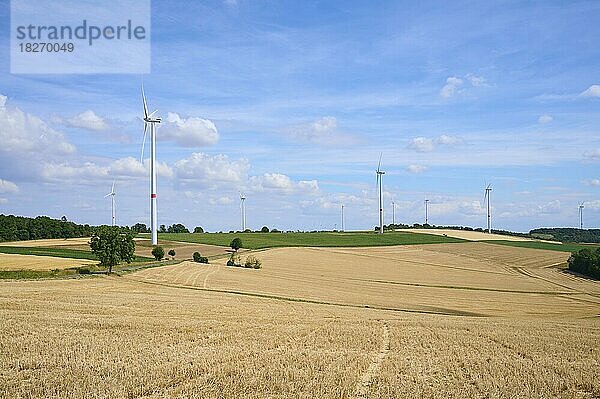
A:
463	319
316	239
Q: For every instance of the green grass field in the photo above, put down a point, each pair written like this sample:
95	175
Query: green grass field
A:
59	253
320	239
543	245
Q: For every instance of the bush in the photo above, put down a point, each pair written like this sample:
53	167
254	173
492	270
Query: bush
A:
158	252
172	253
264	229
203	259
230	263
197	257
252	262
83	270
234	260
198	229
236	243
586	261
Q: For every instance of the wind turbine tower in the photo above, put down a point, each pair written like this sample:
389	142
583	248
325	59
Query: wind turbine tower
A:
380	174
393	213
343	227
150	119
112	200
581	215
487	196
426	206
243	208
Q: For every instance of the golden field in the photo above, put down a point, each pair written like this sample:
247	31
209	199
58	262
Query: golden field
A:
441	320
470	235
34	262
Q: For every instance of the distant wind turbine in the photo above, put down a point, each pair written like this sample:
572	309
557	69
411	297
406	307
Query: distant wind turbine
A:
112	201
426	206
343	227
393	213
243	210
380	174
487	196
581	215
150	119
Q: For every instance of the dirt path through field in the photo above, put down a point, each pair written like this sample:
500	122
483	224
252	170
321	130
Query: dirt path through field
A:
362	388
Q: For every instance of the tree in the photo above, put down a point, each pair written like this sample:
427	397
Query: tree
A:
158	252
236	243
140	228
264	229
172	253
197	256
177	228
198	229
162	229
112	245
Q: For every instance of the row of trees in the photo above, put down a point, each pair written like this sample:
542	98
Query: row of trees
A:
15	228
569	234
586	261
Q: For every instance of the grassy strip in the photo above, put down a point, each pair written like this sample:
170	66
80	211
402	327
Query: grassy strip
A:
320	239
541	245
59	253
36	274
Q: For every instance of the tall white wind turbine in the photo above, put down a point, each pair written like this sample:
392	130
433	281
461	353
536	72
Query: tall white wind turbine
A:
487	196
343	225
112	202
581	215
380	174
426	215
243	209
393	213
150	119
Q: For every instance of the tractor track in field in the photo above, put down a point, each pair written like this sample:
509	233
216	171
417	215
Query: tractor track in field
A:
366	380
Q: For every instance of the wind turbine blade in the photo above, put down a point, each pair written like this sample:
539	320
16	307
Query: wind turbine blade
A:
144	101
112	190
107	195
152	114
144	142
379	164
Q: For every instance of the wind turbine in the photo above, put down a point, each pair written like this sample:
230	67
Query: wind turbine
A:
380	174
393	213
581	215
112	198
150	119
243	209
342	225
426	206
487	196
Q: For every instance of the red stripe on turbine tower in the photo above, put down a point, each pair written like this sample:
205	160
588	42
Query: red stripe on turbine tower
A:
153	196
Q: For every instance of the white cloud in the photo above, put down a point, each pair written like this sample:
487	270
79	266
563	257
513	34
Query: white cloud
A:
594	205
592	91
3	201
545	119
594	182
204	169
550	207
592	154
416	168
451	86
65	171
124	167
445	139
128	166
2	101
21	132
190	132
8	187
421	144
281	183
308	186
323	131
85	120
225	200
477	81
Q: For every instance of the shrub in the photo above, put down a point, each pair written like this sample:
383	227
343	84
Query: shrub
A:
83	270
197	257
158	252
203	259
230	263
264	229
252	262
198	229
172	253
586	261
236	243
234	260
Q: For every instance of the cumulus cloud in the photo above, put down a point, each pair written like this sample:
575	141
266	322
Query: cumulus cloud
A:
190	132
8	187
225	200
593	155
416	168
592	91
477	81
425	144
594	182
2	100
595	205
85	120
550	207
283	184
124	167
211	170
323	131
421	144
451	87
545	119
21	132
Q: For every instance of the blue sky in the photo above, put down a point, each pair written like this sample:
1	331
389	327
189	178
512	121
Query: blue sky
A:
292	102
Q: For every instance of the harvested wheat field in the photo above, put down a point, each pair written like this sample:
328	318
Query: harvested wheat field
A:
469	235
33	262
184	250
51	242
413	321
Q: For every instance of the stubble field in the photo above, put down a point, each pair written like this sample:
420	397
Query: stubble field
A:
442	320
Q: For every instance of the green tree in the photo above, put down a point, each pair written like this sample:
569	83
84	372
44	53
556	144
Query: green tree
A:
172	253
264	229
140	228
198	229
162	229
236	243
158	252
112	245
177	228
